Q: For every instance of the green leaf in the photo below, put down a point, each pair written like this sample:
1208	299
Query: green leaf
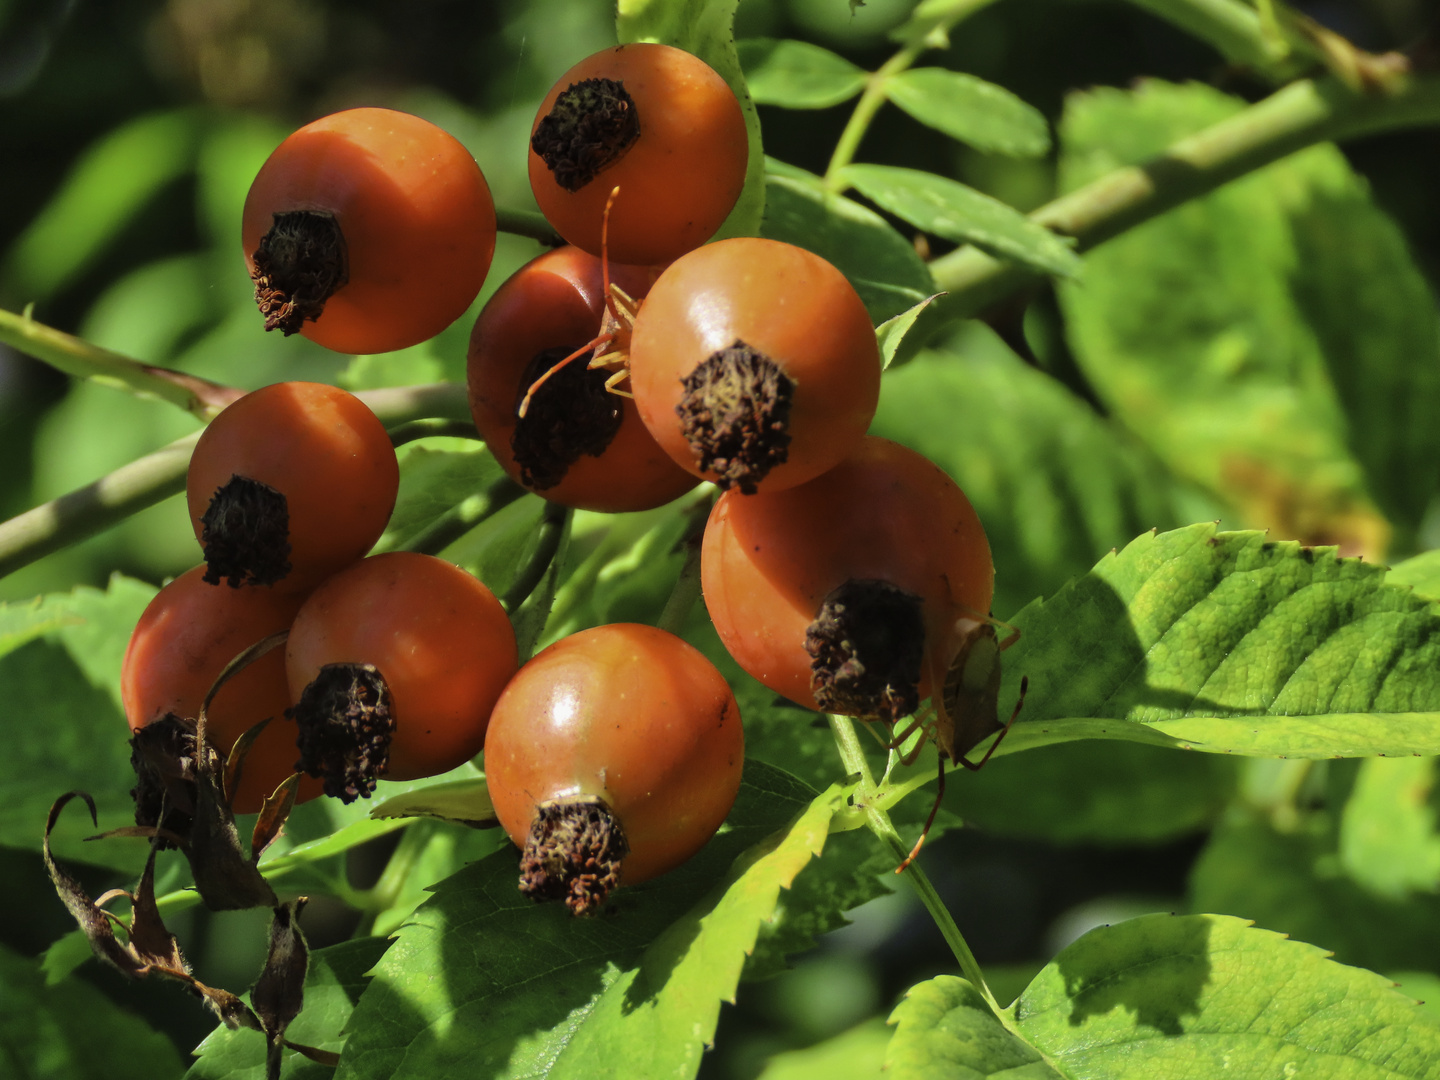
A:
945	1028
857	1054
797	74
953	211
986	116
333	983
485	982
62	689
436	475
464	801
1208	995
1421	573
114	178
1388	838
1055	484
891	334
1230	643
707	29
1299	382
878	261
406	367
1096	791
621	567
1291	882
73	1031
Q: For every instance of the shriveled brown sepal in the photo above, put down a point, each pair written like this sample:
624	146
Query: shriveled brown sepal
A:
184	797
162	754
346	721
735	414
300	263
569	415
149	948
866	646
245	532
589	128
573	853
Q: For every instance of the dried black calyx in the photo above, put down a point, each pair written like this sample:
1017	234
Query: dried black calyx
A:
573	853
162	753
735	414
346	721
866	646
589	128
246	534
300	263
571	414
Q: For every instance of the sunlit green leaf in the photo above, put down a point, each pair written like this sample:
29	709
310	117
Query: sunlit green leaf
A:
1231	643
484	981
976	112
73	1031
1205	995
892	334
1164	995
797	74
945	1028
953	211
1273	340
878	261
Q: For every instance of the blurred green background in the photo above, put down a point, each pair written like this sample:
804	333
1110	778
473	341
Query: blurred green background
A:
130	132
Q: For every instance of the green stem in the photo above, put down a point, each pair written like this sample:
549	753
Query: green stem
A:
78	357
408	852
550	533
529	223
96	506
687	586
866	798
1299	115
431	428
462	517
865	109
926	29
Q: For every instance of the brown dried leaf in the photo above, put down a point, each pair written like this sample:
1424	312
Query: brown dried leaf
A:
95	923
272	817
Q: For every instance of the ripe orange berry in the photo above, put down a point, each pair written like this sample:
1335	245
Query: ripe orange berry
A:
886	515
290	483
439	638
368	230
613	756
754	364
658	123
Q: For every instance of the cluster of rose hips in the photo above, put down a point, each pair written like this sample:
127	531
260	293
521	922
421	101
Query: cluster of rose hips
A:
843	571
